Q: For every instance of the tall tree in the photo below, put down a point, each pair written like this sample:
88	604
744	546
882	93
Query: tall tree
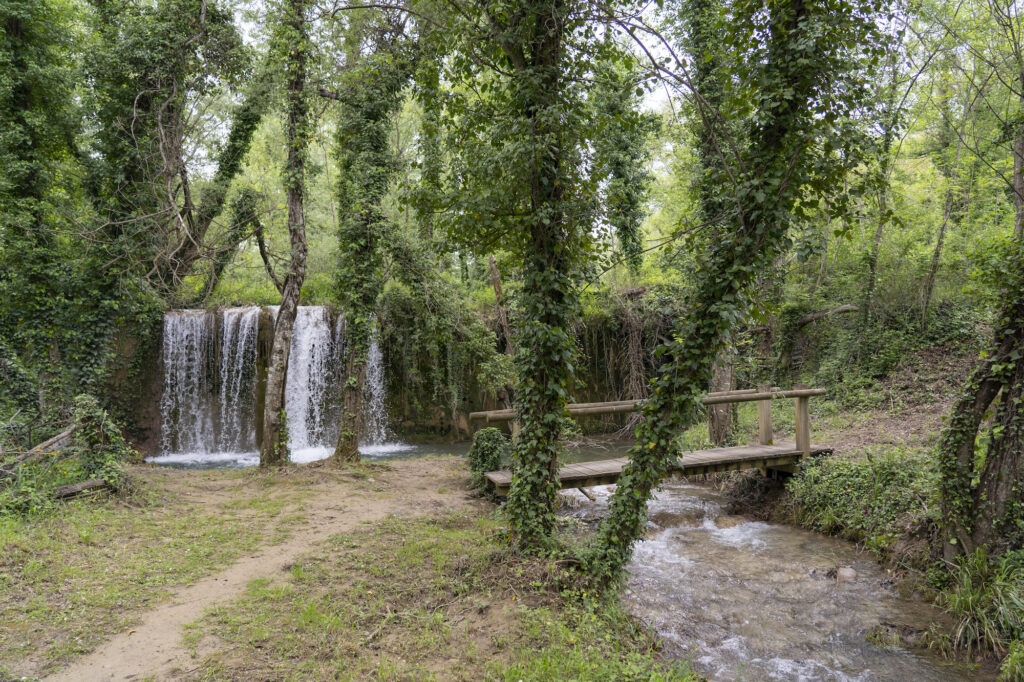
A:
294	46
37	135
524	114
797	63
369	99
981	452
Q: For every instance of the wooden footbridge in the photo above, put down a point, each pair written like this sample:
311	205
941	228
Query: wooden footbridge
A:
765	455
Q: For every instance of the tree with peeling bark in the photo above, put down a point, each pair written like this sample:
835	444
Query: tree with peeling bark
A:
294	45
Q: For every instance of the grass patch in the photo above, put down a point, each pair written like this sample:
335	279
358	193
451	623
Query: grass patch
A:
986	597
425	599
72	576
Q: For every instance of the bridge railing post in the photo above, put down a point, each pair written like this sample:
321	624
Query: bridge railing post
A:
803	426
764	418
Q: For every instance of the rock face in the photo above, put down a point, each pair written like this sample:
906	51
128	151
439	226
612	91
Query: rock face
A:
846	574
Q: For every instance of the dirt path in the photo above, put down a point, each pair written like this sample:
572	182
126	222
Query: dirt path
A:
154	649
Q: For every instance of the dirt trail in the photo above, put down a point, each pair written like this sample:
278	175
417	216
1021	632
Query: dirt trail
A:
154	649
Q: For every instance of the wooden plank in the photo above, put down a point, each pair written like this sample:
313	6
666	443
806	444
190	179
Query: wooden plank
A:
770	395
784	456
803	426
615	406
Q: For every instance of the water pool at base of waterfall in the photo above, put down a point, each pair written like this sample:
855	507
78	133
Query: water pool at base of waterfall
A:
240	460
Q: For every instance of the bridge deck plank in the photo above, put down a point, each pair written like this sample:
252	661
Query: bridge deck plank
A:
601	472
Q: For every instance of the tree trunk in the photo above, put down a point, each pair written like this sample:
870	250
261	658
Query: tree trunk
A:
885	161
720	416
1018	182
986	513
506	393
950	212
545	362
347	449
274	449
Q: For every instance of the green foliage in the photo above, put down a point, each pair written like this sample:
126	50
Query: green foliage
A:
370	99
98	450
987	600
102	450
874	499
622	149
1012	667
490	451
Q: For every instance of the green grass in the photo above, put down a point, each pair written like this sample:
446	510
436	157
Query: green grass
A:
77	574
424	599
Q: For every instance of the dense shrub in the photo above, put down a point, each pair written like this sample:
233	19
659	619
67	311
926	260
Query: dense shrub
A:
490	449
874	500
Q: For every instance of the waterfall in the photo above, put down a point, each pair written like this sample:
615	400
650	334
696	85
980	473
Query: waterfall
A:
239	331
375	409
208	406
185	402
310	391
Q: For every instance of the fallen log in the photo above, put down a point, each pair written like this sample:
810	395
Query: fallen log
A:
65	491
38	452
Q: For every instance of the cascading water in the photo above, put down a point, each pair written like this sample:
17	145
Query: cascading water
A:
310	391
208	406
239	331
378	440
187	348
375	416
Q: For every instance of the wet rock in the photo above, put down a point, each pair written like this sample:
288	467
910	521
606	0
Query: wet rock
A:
893	635
846	573
676	519
729	521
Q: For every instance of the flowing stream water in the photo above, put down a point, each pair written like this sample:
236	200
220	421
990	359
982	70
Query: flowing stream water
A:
753	601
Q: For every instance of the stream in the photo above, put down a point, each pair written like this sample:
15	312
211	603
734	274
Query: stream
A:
747	600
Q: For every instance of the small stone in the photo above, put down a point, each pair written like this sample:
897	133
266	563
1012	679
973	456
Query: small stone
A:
846	573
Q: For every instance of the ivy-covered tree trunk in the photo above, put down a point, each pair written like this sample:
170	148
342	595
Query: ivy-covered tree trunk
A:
804	39
704	22
274	448
347	449
546	349
983	493
369	100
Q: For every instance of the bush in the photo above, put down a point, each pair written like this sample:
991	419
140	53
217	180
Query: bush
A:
1013	665
490	449
874	500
